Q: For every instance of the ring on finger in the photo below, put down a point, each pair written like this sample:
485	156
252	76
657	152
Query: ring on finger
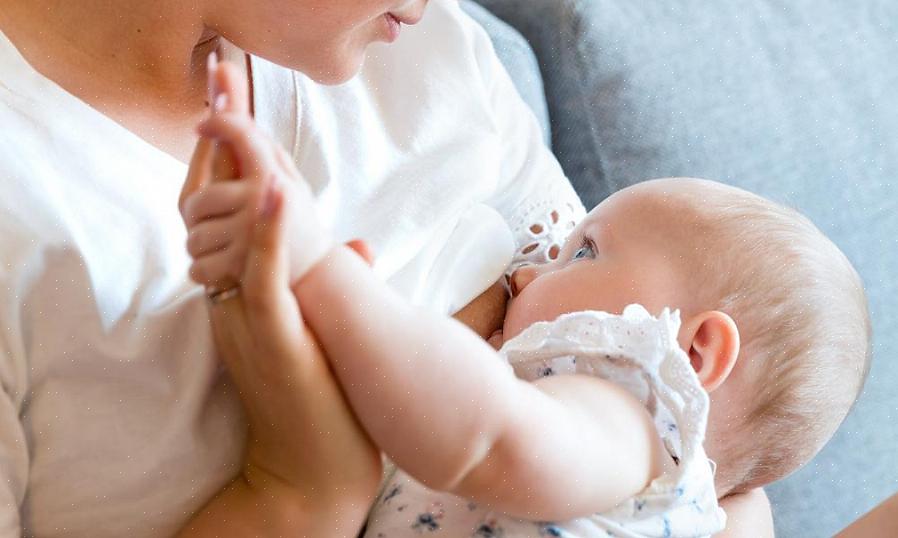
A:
217	295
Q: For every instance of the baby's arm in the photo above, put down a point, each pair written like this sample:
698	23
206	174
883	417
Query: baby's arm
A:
430	393
440	402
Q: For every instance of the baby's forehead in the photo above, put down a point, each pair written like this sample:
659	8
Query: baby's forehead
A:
640	213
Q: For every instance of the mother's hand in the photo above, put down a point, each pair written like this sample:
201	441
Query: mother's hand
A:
305	449
302	433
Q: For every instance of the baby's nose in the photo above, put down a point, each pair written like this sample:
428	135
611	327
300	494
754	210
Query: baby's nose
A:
521	278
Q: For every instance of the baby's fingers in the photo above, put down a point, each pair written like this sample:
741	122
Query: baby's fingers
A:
220	200
220	269
212	235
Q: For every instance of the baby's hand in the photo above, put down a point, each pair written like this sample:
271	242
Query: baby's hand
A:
220	220
220	217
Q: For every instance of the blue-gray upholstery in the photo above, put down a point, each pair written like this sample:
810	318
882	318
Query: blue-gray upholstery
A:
519	60
797	101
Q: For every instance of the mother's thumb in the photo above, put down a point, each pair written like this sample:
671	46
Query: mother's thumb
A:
266	276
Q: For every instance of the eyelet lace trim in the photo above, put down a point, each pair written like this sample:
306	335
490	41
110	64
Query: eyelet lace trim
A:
541	229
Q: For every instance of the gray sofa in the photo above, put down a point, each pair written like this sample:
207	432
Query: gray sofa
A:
796	100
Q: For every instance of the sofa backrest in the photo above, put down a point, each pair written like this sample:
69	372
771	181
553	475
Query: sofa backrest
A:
797	101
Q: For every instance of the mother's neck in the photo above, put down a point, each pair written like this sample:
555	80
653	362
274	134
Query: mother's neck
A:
150	52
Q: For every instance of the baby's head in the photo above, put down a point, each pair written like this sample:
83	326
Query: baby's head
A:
774	316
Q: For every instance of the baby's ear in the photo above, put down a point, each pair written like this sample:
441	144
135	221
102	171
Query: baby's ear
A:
711	340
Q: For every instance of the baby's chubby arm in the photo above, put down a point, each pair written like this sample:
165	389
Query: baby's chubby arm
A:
446	409
433	395
429	392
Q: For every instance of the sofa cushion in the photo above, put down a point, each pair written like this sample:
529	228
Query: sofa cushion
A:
796	101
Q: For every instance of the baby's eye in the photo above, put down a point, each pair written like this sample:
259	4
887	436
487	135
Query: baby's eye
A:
585	251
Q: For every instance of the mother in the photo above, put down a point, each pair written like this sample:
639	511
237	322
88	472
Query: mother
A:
116	417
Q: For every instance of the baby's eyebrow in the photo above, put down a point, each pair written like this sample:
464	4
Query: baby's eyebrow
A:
573	240
604	234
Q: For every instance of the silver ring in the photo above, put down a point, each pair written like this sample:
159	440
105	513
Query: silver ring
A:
216	296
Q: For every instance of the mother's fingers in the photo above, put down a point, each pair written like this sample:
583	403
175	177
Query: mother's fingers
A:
266	274
199	172
233	339
220	269
253	150
231	81
265	315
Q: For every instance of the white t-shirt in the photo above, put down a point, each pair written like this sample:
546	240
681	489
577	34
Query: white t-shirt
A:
115	416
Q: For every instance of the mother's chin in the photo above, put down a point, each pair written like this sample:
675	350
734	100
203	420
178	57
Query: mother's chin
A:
338	58
324	39
330	62
335	69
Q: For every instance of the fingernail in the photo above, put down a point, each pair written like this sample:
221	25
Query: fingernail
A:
221	102
271	199
211	68
212	61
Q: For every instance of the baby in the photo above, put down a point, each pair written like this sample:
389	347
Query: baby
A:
770	328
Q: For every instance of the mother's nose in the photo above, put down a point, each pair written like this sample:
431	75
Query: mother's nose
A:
521	278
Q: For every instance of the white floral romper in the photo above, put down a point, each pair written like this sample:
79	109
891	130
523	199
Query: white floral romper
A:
640	353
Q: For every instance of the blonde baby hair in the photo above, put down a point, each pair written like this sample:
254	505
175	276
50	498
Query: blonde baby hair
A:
802	316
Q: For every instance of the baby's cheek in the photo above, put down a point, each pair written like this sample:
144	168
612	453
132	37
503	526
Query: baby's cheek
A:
512	325
523	313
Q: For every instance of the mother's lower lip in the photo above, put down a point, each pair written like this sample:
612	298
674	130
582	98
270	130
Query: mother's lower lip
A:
394	27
